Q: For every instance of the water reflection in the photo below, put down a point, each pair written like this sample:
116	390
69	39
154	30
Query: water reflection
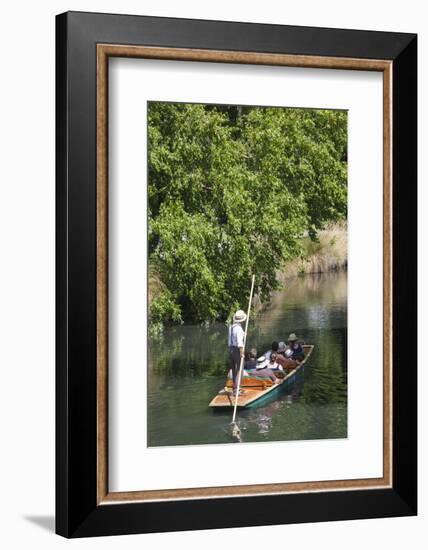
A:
187	367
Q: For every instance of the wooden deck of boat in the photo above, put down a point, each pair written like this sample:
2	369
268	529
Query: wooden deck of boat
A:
226	399
254	390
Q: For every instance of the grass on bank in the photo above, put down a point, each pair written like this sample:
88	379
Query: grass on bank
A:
328	253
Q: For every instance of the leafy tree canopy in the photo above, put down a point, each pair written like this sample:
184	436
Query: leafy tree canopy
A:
231	191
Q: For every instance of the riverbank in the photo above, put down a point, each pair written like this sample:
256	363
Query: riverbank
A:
329	253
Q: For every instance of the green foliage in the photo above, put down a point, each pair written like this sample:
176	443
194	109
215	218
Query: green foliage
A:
164	308
232	190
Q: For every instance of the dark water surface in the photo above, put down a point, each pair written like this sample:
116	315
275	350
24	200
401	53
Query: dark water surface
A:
187	368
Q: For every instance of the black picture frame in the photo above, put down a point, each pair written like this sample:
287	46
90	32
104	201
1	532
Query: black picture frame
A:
77	511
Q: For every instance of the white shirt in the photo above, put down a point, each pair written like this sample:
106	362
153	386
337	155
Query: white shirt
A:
236	335
275	366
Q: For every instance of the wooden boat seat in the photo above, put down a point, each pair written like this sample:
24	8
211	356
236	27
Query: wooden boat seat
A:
252	383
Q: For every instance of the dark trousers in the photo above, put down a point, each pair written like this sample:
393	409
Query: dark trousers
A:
235	363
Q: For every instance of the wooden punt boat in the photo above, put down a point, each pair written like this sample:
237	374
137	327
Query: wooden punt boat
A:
257	391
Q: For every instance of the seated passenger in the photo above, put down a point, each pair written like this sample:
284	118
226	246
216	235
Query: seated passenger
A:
251	360
263	370
294	349
285	362
282	348
275	362
274	349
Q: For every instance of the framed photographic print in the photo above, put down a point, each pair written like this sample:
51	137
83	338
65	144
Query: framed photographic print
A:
236	274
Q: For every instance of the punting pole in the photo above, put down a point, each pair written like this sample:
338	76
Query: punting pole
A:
236	432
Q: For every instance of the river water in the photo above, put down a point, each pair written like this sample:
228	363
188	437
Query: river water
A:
187	368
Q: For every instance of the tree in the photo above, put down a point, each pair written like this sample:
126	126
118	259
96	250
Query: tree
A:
306	150
231	192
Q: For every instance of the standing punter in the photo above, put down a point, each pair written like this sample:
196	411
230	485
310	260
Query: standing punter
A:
236	345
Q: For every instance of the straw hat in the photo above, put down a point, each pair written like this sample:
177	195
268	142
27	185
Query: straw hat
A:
240	316
292	337
262	362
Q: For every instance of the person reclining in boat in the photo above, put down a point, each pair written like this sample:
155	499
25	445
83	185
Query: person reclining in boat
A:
286	363
294	349
274	364
264	371
273	349
251	360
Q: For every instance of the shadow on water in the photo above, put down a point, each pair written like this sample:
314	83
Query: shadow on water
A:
187	367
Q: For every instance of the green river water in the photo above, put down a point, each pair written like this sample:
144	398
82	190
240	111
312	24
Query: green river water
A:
187	367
